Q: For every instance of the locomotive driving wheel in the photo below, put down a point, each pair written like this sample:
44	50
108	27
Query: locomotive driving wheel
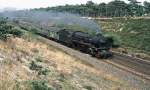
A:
91	51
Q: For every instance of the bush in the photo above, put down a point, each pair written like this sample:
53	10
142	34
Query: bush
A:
7	30
44	71
40	85
16	32
34	66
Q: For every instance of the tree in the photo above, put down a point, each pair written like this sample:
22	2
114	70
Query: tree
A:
102	9
116	8
147	7
90	3
134	8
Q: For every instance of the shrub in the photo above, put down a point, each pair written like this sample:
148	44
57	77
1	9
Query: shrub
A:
34	66
40	85
44	71
7	30
16	32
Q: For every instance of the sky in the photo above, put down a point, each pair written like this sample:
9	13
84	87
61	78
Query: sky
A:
27	4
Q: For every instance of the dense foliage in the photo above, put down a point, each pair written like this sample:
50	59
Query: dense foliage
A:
7	30
116	8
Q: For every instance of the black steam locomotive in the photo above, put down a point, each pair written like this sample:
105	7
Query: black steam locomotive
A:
97	45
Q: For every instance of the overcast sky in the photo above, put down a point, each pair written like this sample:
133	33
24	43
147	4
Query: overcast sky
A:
26	4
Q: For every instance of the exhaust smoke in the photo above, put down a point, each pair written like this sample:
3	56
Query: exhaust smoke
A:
59	19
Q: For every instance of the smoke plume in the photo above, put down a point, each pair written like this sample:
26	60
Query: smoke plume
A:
50	18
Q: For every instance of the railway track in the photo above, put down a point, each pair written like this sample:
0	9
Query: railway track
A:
135	66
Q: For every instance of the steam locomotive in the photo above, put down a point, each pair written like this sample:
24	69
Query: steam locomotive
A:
97	45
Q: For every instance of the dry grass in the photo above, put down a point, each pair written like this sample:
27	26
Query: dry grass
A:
19	53
64	61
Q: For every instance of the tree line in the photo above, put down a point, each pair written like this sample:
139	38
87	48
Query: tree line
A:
116	8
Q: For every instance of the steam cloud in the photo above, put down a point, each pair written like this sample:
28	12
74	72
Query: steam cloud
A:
55	18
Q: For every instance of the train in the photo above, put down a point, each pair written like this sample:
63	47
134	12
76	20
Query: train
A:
95	45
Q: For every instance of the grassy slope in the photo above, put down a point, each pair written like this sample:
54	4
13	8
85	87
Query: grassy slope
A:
133	33
34	65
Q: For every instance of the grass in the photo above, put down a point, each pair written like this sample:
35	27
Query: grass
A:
132	33
58	68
